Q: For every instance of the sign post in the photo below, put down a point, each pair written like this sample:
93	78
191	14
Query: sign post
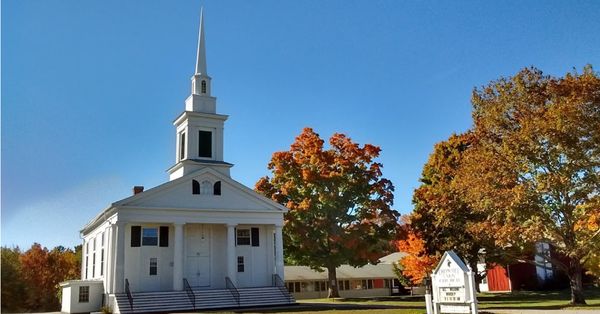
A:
453	286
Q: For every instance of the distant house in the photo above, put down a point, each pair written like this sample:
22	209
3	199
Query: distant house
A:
200	240
366	281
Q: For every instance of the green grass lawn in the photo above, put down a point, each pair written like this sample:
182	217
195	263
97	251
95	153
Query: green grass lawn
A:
536	300
416	305
539	300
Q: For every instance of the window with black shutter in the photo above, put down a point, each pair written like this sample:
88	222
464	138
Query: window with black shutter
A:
136	236
254	232
164	236
243	237
217	188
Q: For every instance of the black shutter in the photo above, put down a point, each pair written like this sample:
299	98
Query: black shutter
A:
136	236
195	187
164	236
254	233
217	188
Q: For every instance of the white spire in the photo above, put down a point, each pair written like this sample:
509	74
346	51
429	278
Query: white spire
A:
201	54
201	100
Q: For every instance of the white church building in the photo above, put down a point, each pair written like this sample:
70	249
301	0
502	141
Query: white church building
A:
201	240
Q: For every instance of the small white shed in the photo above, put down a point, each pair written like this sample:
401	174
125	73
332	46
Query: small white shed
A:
80	296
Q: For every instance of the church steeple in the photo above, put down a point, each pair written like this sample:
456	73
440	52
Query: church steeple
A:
200	99
199	127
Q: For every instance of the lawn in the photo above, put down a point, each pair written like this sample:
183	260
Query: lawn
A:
536	300
416	305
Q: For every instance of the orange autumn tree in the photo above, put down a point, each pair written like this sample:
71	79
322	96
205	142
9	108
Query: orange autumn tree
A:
417	263
535	171
41	270
340	205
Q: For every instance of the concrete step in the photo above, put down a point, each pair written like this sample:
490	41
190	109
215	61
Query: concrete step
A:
147	302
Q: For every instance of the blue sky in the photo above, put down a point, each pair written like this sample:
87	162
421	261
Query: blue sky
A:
90	88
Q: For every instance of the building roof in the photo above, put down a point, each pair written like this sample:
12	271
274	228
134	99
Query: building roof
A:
300	273
392	258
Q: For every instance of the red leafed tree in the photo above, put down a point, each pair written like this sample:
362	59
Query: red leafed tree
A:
340	205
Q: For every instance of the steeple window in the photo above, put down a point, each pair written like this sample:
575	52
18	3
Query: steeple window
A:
203	85
182	146
205	144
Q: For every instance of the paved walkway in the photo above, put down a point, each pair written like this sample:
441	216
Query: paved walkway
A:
515	311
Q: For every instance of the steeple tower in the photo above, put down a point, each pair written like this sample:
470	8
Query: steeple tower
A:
200	99
199	127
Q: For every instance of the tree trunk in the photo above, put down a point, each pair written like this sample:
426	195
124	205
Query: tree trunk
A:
333	283
576	283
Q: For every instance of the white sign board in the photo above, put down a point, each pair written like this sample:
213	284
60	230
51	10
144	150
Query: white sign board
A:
462	308
452	294
453	286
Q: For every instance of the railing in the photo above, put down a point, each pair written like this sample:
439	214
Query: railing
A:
190	292
234	291
279	283
129	297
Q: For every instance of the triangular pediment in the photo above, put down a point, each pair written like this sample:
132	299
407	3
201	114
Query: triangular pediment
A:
179	194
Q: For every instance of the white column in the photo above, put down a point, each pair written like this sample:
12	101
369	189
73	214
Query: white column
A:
231	256
83	255
178	258
279	251
119	279
108	260
111	258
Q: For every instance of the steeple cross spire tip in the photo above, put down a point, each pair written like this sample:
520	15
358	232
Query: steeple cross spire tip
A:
201	53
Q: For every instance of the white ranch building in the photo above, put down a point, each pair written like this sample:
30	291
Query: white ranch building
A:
201	240
370	280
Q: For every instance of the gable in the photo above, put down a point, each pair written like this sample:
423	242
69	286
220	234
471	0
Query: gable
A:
450	259
179	193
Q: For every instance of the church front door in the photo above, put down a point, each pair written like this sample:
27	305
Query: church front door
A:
198	255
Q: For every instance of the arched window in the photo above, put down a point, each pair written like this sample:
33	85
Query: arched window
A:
203	84
217	188
206	187
195	187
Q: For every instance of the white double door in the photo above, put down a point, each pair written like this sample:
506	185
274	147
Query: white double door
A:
197	261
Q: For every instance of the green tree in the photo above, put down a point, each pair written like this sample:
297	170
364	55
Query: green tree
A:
535	171
340	205
13	288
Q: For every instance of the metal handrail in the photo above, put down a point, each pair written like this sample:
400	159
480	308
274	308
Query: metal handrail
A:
190	292
279	283
128	292
234	291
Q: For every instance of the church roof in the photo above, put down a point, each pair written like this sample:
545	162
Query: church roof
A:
238	187
176	195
